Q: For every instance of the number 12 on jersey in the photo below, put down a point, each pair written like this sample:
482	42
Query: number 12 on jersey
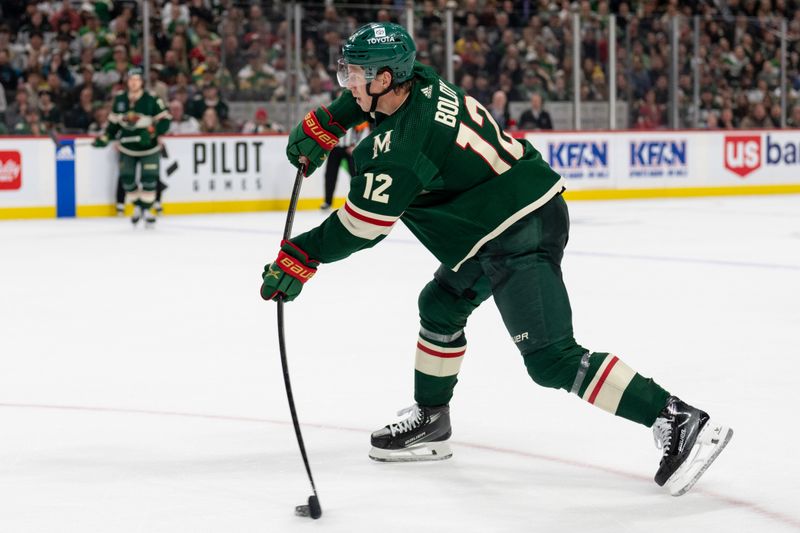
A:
383	181
469	138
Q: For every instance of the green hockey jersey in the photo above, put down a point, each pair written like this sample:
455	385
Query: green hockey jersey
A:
442	166
139	125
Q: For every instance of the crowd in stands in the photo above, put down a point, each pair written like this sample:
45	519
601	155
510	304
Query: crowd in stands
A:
62	61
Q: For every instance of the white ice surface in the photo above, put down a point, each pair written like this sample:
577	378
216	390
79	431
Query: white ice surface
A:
141	387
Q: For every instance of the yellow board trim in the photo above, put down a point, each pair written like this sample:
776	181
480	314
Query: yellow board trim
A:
241	206
680	192
27	212
234	206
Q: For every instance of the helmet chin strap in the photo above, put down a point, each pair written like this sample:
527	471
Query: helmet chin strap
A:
375	97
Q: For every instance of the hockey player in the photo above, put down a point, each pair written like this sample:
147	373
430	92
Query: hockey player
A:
490	209
138	118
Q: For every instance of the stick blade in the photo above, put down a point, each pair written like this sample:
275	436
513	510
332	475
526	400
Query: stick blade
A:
312	510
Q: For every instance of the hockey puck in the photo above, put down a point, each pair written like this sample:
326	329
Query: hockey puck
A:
312	509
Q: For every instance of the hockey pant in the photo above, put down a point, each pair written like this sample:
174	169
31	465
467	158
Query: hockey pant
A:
521	269
144	192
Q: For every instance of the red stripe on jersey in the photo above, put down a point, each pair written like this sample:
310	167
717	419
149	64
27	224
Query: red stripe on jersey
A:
364	218
602	380
440	354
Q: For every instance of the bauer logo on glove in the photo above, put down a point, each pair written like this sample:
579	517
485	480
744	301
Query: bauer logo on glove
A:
314	129
284	278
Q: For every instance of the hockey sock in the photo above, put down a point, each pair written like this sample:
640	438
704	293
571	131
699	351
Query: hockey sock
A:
613	386
601	379
437	364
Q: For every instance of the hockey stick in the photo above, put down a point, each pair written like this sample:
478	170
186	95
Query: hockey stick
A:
312	509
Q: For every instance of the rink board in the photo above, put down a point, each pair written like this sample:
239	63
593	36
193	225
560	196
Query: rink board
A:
230	173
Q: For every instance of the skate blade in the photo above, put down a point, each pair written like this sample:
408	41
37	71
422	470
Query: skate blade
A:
712	440
427	451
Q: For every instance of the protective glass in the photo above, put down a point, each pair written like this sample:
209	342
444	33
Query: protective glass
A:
351	75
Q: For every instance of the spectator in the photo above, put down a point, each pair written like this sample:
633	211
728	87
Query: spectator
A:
66	15
211	72
48	112
262	124
210	121
16	111
30	124
598	89
8	74
182	123
499	109
650	114
316	96
775	115
86	79
794	118
506	84
209	99
726	120
157	87
100	123
712	122
115	70
482	91
467	83
80	118
60	96
35	54
757	118
707	106
531	84
535	118
257	77
172	12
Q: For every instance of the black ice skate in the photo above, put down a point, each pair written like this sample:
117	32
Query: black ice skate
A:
149	218
690	440
137	215
422	436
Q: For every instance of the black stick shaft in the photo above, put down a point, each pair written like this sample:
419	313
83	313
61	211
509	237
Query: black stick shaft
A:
287	230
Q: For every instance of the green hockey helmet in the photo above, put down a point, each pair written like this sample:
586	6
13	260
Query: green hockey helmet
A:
376	47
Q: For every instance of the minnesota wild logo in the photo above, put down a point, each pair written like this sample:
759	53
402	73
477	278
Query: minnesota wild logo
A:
131	117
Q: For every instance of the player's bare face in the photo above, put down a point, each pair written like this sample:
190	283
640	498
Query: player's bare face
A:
134	84
357	83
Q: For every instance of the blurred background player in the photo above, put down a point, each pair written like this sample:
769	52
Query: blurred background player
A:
342	151
137	120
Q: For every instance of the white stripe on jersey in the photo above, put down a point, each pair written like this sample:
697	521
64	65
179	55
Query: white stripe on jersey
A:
364	224
530	208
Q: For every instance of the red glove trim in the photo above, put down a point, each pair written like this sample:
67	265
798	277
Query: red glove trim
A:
297	249
333	122
313	128
294	268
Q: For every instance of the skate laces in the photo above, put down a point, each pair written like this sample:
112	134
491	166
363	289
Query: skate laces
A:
409	422
662	433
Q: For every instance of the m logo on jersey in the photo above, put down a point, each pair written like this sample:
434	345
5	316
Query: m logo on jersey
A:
742	153
10	170
382	145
